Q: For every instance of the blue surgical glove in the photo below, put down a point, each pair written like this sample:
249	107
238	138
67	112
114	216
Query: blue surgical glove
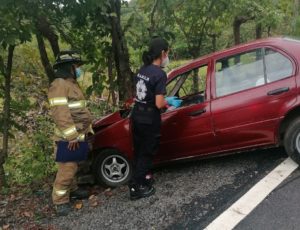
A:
170	99
174	101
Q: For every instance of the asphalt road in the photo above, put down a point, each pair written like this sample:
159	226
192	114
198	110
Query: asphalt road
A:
189	195
280	210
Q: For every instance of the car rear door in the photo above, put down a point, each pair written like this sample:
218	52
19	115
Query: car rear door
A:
250	89
188	131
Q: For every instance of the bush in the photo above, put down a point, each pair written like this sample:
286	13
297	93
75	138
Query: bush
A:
32	159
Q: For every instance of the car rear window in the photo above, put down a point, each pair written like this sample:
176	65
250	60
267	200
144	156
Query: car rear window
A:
277	66
239	72
246	70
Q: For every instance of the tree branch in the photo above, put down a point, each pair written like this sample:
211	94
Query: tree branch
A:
152	22
179	23
204	24
44	27
44	57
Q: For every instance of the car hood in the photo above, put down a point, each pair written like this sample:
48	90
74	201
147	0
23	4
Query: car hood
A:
110	119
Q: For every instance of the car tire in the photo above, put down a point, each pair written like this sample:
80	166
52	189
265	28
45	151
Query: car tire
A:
111	168
292	140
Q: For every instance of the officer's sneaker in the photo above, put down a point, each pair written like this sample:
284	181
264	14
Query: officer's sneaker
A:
63	209
79	194
149	180
141	191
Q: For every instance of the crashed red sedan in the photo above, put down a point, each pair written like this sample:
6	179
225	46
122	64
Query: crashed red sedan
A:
238	99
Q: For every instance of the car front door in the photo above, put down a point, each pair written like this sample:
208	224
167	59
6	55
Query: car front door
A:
187	131
251	88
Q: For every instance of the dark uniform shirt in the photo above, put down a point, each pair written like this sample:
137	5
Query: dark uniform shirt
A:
150	81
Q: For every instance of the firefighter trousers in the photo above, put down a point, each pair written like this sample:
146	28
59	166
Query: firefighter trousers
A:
65	181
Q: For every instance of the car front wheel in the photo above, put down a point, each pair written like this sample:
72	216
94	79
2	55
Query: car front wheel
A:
292	140
111	168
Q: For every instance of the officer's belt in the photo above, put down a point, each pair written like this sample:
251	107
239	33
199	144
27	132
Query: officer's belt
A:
142	107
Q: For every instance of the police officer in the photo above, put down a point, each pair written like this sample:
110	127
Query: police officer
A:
150	90
73	122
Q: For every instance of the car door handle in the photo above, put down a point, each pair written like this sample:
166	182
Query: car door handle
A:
278	91
197	112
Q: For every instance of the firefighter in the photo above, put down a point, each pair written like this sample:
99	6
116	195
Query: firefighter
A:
73	122
150	90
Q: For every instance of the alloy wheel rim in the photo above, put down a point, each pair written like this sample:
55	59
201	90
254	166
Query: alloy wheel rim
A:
115	168
298	142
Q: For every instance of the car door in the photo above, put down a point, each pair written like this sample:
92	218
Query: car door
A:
187	131
251	87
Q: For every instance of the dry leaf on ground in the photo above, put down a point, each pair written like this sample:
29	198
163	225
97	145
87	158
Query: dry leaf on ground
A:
78	205
93	201
108	192
5	227
27	214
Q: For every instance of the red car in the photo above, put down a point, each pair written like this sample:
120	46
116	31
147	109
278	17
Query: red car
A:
238	99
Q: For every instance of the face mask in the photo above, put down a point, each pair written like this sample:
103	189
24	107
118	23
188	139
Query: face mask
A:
77	72
165	62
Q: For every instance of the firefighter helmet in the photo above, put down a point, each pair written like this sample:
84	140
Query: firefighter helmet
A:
68	56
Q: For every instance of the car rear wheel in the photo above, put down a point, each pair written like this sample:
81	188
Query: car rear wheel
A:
292	140
111	168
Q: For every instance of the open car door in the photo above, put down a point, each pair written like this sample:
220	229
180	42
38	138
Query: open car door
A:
188	131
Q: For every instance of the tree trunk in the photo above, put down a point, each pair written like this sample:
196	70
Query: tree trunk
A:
213	42
238	21
44	57
44	27
120	51
6	113
258	30
237	31
269	31
195	81
111	80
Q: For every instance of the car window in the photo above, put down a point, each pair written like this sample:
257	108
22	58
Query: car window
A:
277	65
174	85
195	82
239	72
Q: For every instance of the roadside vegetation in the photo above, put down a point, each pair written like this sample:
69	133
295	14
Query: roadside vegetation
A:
111	35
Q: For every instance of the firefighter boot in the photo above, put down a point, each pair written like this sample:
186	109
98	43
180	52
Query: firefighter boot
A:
79	194
63	209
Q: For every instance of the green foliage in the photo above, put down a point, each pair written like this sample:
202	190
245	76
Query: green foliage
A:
33	157
14	27
100	108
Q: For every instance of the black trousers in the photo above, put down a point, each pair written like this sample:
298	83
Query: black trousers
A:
146	138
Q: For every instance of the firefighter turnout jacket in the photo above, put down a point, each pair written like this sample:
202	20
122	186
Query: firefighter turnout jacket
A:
68	109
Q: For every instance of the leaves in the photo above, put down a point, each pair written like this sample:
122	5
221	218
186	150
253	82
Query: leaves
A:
78	205
6	227
93	201
108	192
28	214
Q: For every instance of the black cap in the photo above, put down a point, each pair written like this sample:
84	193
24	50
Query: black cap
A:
157	45
68	56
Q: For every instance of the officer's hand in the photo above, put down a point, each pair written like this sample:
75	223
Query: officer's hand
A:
73	145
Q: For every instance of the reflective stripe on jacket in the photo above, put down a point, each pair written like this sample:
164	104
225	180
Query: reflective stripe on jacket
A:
68	109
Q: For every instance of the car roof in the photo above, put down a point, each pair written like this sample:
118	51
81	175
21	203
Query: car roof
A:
190	64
